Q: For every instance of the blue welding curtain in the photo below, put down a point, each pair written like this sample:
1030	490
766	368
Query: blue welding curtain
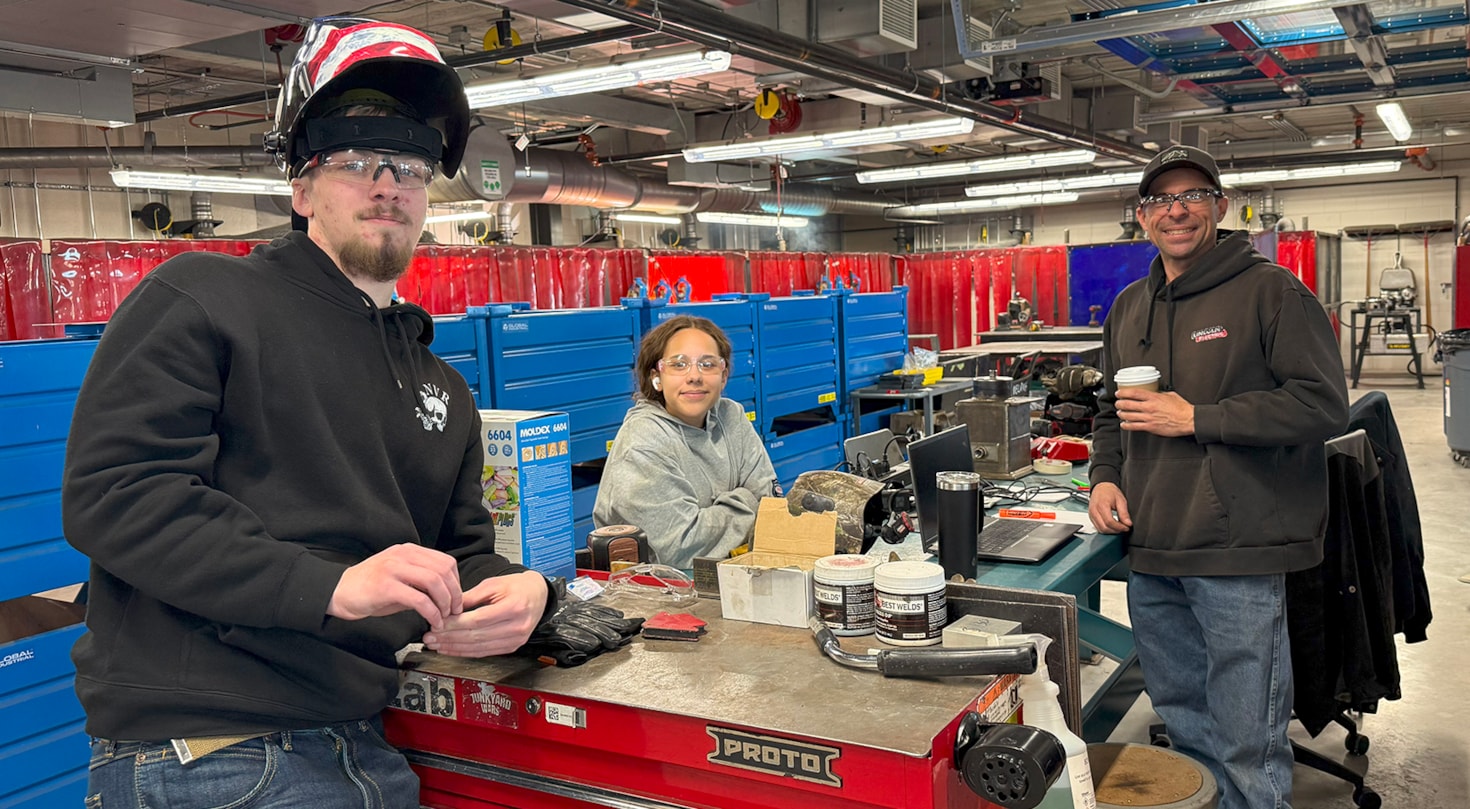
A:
1098	272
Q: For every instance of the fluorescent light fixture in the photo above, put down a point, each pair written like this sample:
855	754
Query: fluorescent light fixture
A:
983	165
988	203
792	144
648	218
1114	180
170	181
462	216
624	72
1392	115
758	220
1309	173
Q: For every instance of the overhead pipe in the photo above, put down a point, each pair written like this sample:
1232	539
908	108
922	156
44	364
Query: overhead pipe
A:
696	22
84	157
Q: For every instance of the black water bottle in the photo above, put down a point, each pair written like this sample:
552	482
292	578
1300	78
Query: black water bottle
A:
959	505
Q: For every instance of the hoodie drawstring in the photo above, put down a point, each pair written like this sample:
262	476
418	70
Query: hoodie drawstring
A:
1169	308
415	372
1148	329
383	339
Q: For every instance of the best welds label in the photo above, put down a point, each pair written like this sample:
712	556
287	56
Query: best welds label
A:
773	755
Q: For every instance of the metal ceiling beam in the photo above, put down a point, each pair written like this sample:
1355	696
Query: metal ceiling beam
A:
1126	50
693	21
1316	102
1265	61
1195	15
1357	23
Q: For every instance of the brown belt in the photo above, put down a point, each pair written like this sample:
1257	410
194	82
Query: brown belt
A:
189	750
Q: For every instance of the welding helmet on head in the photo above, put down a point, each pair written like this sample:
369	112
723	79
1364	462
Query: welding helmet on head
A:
349	60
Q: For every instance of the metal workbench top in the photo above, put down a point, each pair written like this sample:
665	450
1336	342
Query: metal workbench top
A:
741	673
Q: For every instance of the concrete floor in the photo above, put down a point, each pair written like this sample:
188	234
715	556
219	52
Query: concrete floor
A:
1419	756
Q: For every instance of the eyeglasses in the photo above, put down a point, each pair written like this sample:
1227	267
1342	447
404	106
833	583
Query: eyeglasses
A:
680	364
363	167
1193	199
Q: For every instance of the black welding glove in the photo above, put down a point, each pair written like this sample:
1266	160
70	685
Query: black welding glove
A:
580	631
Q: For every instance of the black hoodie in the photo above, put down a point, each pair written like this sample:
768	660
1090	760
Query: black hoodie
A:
1253	350
249	428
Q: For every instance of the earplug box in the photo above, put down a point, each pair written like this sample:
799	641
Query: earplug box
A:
527	486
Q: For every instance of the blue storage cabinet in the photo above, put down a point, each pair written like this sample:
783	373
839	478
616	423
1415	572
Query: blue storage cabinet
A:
818	447
43	751
874	334
735	315
797	359
578	361
584	497
460	341
1096	273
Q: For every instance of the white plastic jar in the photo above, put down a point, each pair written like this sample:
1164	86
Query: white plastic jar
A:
842	587
911	608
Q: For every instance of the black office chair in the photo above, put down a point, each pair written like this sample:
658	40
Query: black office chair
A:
1356	743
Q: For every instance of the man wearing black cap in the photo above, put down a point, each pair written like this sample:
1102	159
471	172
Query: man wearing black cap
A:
1219	478
278	483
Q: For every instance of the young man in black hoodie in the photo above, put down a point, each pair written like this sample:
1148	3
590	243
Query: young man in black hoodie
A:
277	482
1219	479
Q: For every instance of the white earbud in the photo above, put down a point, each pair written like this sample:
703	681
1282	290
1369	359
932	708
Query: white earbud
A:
657	384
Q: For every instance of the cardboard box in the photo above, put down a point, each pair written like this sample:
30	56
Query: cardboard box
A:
773	583
527	486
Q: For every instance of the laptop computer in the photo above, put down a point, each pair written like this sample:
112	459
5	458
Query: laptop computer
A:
1001	539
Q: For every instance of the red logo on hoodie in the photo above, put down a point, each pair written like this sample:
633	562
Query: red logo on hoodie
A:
1210	333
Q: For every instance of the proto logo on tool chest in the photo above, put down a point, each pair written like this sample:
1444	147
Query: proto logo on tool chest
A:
773	755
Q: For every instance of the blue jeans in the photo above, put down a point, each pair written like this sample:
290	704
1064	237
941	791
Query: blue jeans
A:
1217	666
346	766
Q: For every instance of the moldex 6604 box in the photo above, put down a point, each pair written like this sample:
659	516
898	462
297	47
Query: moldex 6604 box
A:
528	488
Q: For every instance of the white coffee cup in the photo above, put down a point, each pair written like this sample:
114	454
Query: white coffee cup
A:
1145	377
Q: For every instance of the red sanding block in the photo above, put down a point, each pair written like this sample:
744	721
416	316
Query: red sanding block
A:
673	626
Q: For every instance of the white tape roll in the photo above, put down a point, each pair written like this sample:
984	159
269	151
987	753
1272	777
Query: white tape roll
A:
1050	466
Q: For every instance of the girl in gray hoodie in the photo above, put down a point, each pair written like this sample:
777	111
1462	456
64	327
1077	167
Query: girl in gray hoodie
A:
686	466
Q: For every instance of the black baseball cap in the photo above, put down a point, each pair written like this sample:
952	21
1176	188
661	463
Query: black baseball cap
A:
1179	157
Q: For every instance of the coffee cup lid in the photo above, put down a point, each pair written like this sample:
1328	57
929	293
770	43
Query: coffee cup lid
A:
1137	373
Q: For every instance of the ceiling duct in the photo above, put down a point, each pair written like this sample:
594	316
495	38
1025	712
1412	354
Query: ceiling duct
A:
869	27
99	96
937	57
494	171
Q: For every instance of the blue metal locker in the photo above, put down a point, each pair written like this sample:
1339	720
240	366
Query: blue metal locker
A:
43	751
874	332
578	361
460	341
797	359
792	453
39	380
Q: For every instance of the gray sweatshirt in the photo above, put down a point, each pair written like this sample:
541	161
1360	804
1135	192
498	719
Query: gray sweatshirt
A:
694	491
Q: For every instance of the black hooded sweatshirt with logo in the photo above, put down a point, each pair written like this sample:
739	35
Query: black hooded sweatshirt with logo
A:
1253	350
248	429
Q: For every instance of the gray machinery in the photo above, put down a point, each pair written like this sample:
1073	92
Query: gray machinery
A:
1388	322
999	418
